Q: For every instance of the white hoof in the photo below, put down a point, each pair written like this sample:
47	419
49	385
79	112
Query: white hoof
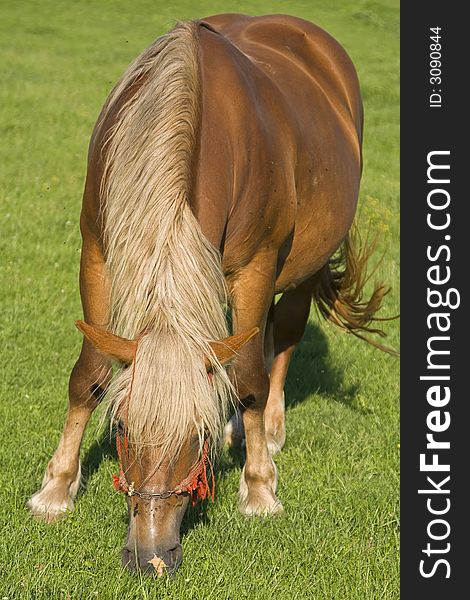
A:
274	423
54	499
275	443
260	502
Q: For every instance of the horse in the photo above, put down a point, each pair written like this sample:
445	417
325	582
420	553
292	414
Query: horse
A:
223	170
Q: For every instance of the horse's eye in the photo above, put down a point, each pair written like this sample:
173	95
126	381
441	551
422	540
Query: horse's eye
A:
120	427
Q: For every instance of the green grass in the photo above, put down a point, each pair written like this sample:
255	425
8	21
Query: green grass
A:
338	538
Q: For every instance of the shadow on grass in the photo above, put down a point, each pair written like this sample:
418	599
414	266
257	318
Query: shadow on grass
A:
101	448
312	371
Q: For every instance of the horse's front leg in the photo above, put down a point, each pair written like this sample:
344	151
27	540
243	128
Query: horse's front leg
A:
252	296
88	381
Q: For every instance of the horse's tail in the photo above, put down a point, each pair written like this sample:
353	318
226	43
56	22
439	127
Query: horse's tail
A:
339	292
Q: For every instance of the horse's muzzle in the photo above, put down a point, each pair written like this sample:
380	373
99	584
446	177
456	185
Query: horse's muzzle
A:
138	559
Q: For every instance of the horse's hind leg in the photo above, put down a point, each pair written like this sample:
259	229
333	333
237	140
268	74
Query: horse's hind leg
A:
88	381
290	318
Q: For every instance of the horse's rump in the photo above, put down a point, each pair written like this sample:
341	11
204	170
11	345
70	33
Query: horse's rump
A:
279	158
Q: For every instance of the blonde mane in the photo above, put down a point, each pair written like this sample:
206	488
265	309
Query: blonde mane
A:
167	284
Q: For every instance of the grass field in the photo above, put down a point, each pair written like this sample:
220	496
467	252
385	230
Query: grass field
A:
339	482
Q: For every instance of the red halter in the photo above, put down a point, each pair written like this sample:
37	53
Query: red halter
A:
195	484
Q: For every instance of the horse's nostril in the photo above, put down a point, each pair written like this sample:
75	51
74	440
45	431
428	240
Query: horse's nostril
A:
127	559
156	561
176	558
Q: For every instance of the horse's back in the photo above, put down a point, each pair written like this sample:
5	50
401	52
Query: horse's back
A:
282	111
294	52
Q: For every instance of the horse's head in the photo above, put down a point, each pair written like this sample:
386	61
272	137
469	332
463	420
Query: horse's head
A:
158	482
156	501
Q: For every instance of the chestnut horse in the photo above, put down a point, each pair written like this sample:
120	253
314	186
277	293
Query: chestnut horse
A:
224	169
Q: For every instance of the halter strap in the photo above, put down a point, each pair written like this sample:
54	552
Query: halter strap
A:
195	484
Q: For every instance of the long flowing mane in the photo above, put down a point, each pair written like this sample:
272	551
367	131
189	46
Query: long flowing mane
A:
167	284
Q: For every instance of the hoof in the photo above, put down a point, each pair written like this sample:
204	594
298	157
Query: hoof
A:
274	424
260	500
261	507
48	507
275	442
54	500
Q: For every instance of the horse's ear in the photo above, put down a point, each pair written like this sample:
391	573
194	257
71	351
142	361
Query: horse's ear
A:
226	349
107	343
